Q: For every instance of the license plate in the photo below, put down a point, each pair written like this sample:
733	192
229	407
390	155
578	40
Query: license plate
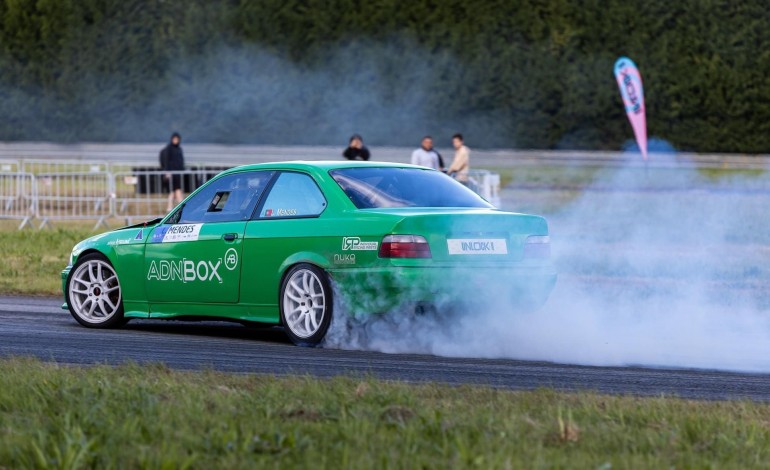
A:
477	246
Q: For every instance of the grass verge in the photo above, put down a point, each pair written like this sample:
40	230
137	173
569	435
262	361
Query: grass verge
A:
153	417
576	178
32	260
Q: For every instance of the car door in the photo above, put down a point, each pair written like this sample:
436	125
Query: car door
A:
196	256
287	225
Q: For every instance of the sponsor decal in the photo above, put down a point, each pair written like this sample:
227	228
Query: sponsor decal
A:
345	258
159	233
477	246
176	233
182	233
280	212
355	244
118	242
185	270
231	259
139	235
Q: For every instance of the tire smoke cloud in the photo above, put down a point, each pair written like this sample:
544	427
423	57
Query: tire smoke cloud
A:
657	267
388	91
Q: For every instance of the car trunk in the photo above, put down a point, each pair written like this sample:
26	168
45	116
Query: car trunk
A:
472	236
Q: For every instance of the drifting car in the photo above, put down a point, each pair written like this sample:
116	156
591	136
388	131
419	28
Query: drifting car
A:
288	243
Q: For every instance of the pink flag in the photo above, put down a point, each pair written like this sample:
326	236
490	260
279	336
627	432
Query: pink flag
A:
630	83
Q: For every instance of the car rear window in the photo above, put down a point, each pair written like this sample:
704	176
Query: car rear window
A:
374	187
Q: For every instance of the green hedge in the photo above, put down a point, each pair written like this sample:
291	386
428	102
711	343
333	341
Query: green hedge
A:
523	73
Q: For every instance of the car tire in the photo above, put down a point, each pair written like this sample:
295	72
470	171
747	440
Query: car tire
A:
306	304
425	308
93	293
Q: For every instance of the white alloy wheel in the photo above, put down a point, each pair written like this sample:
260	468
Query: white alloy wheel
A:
306	304
93	293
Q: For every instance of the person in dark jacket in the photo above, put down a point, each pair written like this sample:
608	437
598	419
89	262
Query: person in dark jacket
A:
172	161
356	149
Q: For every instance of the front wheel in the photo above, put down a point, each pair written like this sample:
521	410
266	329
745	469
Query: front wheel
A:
306	304
93	293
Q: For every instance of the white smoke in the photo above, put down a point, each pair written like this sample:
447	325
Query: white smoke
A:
388	91
657	268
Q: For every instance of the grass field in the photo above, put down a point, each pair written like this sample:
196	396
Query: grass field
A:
151	417
579	177
33	259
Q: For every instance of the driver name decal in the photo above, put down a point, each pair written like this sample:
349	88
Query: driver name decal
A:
176	233
280	212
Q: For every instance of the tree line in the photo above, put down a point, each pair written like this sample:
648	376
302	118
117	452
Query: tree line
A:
506	73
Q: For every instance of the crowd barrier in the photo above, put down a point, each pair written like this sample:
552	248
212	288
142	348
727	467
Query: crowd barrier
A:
486	184
72	196
47	191
143	193
58	166
18	197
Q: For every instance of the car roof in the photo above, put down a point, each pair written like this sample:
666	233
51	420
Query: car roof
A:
320	165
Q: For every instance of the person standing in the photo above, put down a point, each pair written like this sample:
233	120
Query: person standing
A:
356	149
426	155
172	161
461	162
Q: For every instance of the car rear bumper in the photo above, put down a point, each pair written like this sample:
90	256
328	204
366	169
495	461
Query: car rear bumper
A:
379	289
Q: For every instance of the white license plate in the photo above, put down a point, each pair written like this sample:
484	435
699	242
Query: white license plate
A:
477	246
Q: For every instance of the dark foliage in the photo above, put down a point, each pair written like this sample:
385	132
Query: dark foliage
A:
524	73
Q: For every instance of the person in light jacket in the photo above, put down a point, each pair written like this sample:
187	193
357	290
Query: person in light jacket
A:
461	162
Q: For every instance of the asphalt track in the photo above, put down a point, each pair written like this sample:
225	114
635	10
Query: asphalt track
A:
37	327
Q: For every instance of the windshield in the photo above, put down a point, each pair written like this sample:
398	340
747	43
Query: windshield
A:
370	188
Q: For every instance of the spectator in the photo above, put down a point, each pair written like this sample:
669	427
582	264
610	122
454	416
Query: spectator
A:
172	161
461	162
427	156
356	149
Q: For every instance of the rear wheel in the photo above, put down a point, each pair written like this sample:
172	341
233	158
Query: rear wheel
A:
425	308
94	294
306	304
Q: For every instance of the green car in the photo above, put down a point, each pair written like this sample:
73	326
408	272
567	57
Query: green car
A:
295	243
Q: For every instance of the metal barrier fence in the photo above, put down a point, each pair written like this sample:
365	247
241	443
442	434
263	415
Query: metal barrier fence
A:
17	197
73	196
50	191
38	166
486	184
144	194
9	166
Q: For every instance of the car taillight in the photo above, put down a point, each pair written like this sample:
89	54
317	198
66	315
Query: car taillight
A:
537	246
404	246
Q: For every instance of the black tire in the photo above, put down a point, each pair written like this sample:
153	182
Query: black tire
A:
425	308
306	304
93	293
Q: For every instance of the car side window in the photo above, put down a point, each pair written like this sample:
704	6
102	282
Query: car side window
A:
226	199
293	195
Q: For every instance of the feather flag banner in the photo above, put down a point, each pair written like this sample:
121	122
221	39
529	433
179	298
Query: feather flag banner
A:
630	83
